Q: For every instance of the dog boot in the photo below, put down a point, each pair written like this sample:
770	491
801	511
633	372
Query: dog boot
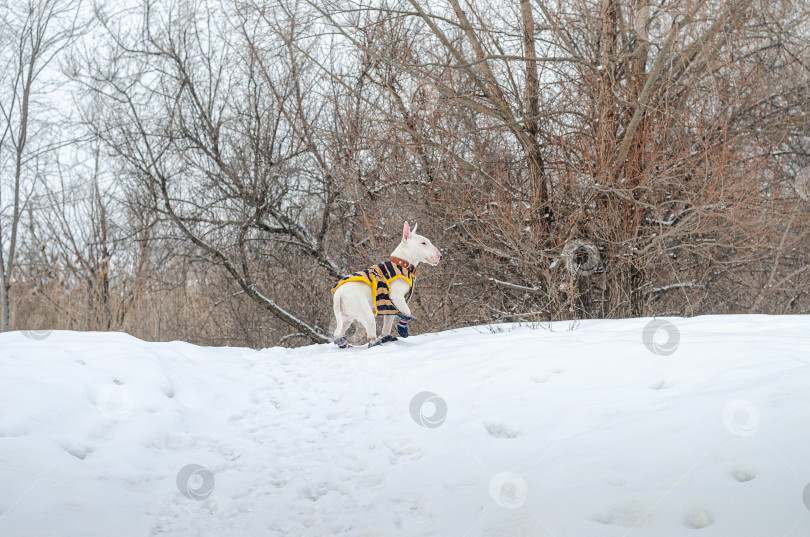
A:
380	341
342	342
402	325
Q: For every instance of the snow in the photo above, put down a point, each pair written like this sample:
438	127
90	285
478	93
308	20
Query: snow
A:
635	427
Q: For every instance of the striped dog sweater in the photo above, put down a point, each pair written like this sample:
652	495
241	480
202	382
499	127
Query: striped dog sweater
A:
379	277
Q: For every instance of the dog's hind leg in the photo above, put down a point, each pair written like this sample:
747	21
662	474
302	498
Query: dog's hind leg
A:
370	325
340	339
342	322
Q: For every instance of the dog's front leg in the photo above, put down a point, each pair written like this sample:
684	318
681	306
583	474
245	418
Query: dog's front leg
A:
398	291
385	337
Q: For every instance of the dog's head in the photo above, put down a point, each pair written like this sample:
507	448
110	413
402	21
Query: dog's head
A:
418	249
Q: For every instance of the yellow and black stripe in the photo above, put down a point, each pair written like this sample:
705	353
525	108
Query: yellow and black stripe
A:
379	277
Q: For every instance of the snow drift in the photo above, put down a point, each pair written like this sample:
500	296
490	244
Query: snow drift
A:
634	427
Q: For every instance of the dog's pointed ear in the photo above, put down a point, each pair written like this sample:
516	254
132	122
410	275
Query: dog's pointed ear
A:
406	230
414	228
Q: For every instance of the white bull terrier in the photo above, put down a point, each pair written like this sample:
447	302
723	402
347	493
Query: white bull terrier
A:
383	289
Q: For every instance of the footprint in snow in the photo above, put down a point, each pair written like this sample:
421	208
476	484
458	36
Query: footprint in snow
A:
627	516
78	451
743	474
499	430
315	492
698	519
661	385
404	454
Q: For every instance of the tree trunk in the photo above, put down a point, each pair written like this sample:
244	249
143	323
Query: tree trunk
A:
26	71
537	175
4	290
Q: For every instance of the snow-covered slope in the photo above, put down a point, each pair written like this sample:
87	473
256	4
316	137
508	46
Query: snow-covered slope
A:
603	428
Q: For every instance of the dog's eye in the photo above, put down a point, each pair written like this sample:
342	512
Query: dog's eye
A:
424	243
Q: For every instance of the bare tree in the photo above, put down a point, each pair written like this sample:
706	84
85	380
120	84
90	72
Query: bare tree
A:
218	125
632	114
34	33
595	159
